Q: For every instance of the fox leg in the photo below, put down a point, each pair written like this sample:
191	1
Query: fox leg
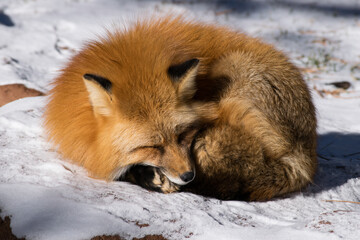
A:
150	178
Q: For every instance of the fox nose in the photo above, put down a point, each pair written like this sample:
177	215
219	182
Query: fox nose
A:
187	177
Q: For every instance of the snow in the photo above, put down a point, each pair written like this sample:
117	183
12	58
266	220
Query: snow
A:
49	198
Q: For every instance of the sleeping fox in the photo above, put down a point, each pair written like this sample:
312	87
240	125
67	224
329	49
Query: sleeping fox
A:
172	104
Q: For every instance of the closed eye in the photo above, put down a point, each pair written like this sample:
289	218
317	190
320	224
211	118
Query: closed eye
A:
186	137
157	147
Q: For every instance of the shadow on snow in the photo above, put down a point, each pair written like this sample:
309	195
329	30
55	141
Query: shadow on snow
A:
249	6
339	160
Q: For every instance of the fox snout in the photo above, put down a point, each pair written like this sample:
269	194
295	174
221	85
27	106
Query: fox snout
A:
181	179
178	166
180	172
187	177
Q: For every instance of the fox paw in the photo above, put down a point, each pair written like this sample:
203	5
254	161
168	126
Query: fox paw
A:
150	178
164	184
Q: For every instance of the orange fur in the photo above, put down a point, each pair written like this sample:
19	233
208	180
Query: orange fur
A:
140	120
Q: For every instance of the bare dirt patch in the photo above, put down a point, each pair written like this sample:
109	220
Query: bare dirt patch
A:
151	237
107	237
117	237
12	92
5	230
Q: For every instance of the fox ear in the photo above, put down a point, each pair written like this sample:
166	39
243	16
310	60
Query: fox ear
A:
183	75
99	89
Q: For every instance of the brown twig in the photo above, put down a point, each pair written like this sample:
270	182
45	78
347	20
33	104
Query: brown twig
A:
342	201
341	97
325	158
351	154
334	93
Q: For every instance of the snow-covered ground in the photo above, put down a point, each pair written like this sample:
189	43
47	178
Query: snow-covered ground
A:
48	198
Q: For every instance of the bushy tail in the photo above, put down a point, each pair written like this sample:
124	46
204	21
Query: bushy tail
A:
288	174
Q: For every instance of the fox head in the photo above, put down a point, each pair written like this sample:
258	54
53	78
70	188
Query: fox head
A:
147	119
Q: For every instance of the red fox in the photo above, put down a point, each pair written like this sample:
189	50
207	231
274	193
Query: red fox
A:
172	104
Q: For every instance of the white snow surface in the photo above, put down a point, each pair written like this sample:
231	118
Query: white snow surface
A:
49	198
